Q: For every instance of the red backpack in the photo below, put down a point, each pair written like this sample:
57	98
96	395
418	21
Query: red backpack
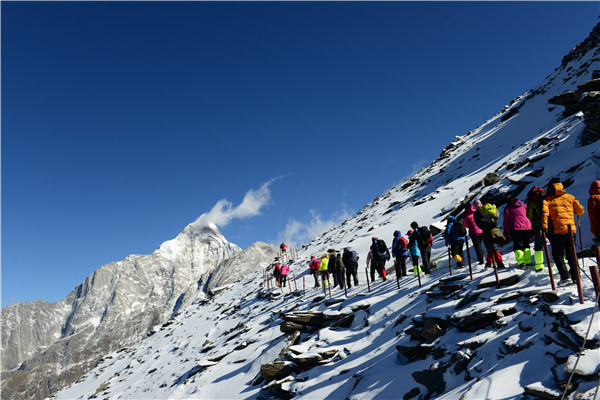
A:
536	194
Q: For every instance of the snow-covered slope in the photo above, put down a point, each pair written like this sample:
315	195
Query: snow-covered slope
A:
114	307
451	338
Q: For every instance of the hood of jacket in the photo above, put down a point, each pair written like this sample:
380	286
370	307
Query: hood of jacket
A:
516	204
595	188
556	189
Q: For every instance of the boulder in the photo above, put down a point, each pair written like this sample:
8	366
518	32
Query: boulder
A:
589	86
477	321
566	99
290	326
278	370
538	390
431	331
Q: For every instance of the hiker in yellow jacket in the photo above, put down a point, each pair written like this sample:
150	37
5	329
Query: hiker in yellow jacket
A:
324	270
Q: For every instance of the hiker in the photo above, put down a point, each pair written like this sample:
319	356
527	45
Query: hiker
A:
340	271
400	253
557	215
517	227
350	259
594	211
314	269
454	236
475	233
332	267
284	274
486	217
413	251
277	274
422	236
535	200
323	270
379	255
283	248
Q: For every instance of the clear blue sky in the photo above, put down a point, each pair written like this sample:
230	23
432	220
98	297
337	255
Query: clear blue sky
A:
122	122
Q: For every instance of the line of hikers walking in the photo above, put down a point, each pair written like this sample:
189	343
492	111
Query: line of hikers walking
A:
546	213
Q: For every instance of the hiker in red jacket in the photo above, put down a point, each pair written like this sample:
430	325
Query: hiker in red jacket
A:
594	210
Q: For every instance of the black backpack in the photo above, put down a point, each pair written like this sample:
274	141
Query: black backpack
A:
459	229
382	252
425	237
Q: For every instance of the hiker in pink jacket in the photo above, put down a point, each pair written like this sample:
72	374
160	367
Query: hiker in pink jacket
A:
284	273
517	227
475	233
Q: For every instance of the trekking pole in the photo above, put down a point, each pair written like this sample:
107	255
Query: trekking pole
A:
368	284
344	279
495	269
289	285
449	261
574	255
547	254
469	256
329	284
295	285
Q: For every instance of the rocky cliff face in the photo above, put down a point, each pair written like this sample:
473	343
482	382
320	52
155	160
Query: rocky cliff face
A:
45	346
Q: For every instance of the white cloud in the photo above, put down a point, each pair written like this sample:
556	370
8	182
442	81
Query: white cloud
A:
223	212
303	232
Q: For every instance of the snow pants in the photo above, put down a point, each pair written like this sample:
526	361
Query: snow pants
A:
425	256
561	248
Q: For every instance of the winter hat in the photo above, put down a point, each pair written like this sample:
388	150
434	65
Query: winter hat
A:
477	203
414	225
410	232
397	233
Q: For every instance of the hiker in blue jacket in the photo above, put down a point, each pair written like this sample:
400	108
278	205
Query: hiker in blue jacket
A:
455	238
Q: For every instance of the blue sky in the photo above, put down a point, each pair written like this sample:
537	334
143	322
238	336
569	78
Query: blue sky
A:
122	122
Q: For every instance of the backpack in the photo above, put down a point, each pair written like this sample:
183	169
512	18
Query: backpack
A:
489	213
536	194
459	229
381	249
354	257
314	264
401	245
424	236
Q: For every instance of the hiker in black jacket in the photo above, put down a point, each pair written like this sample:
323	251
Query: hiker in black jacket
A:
424	240
350	259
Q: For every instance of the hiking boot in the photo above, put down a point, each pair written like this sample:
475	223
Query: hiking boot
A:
565	282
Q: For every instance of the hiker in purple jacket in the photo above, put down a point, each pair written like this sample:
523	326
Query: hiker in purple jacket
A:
517	227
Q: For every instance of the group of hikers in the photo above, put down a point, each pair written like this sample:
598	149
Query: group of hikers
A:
546	213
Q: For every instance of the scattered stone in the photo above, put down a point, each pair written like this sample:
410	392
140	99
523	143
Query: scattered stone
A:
539	390
289	326
278	370
474	322
550	296
587	365
505	280
508	297
431	331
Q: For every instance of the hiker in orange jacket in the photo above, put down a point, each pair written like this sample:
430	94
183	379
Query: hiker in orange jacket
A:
557	215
